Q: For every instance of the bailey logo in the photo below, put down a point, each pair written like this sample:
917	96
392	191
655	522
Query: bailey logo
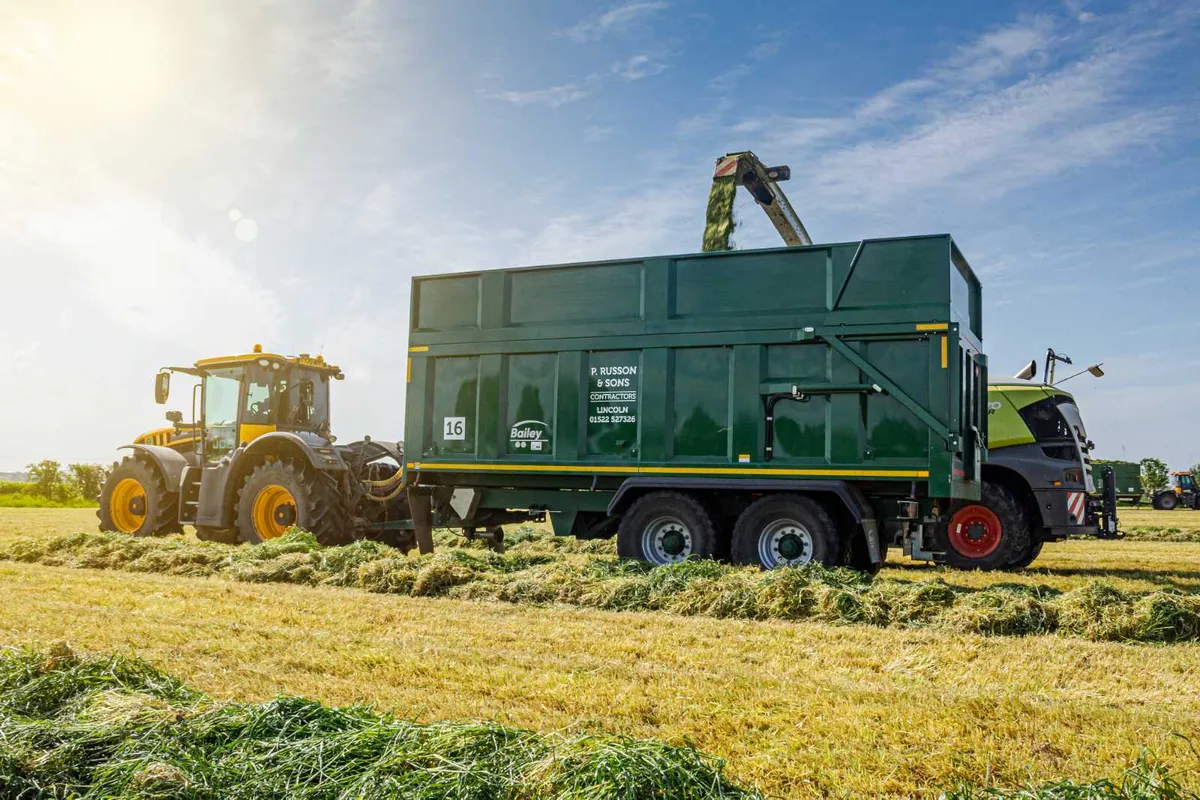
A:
530	434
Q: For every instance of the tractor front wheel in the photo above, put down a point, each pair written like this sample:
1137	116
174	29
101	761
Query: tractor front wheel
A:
135	500
278	495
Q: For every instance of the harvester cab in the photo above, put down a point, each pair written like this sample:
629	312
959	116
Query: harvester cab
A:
1182	493
258	458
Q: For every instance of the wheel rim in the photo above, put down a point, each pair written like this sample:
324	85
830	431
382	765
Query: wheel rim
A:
666	540
785	543
274	511
127	505
975	531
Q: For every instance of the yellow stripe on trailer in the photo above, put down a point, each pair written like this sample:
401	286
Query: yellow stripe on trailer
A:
635	470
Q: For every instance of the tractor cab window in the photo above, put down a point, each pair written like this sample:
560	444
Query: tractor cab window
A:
313	408
1187	483
303	399
221	390
258	401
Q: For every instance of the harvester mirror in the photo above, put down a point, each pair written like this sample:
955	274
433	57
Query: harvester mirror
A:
162	387
1028	372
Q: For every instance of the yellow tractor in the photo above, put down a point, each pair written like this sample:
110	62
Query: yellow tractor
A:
257	458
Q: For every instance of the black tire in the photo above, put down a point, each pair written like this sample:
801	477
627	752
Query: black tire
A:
1008	536
774	527
317	505
223	535
1165	501
665	528
154	507
1027	559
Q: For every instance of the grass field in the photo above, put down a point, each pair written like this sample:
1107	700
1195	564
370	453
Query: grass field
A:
797	709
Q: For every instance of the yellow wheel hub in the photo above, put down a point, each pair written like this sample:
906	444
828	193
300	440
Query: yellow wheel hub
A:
274	511
127	505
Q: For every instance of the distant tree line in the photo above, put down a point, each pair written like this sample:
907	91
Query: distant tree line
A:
49	480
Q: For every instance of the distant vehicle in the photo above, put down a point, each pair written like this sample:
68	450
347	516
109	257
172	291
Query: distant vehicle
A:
1181	493
1128	477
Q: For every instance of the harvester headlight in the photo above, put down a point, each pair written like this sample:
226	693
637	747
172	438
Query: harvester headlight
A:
263	362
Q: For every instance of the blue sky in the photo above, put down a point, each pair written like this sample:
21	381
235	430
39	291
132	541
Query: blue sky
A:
189	178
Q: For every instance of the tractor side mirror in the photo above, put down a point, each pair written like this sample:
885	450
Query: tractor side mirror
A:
175	417
162	387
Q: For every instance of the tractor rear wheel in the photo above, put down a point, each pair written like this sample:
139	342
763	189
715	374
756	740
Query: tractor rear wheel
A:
135	500
1165	501
278	495
991	534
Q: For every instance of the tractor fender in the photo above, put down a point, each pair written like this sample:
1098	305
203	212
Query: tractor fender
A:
169	463
318	452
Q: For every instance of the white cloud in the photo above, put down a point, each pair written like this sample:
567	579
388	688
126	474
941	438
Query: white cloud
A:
638	67
989	119
551	97
613	21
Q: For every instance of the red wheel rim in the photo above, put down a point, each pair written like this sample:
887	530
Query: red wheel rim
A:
975	531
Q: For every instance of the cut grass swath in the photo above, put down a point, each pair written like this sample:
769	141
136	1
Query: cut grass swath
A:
1146	780
73	726
545	570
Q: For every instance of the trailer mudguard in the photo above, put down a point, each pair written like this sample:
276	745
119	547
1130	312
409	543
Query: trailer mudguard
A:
168	462
851	497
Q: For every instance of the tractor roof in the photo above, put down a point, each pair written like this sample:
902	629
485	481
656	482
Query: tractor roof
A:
303	360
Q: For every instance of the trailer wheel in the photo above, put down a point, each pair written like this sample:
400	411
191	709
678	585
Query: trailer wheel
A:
135	500
987	535
665	528
785	530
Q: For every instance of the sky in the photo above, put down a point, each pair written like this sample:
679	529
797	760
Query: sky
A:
186	179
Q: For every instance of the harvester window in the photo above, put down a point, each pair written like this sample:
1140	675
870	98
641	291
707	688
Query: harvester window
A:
1045	421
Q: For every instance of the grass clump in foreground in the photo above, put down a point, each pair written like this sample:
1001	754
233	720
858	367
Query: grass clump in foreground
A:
73	726
1146	780
545	571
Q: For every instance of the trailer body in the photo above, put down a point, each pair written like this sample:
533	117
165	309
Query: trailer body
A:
850	370
1128	477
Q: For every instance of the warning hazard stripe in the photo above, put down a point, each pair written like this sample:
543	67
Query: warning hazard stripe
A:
726	166
1075	505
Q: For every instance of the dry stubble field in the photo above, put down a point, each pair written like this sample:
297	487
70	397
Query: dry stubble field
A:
797	709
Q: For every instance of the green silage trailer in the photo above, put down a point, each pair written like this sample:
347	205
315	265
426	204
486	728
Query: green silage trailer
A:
776	407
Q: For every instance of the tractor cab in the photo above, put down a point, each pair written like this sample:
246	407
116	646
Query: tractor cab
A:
243	397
